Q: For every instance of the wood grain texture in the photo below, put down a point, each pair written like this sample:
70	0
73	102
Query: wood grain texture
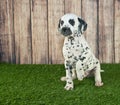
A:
89	14
117	31
106	30
73	6
55	11
10	26
39	31
3	35
6	31
22	31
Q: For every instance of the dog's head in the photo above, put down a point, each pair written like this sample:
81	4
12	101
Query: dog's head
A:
69	24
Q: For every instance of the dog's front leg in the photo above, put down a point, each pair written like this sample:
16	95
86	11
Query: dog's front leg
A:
98	80
69	82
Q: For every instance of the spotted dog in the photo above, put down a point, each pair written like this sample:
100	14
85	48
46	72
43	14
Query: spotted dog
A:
79	62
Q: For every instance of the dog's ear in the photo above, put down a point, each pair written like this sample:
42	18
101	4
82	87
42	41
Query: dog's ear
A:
59	24
82	25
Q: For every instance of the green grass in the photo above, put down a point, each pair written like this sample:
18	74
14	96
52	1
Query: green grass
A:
41	85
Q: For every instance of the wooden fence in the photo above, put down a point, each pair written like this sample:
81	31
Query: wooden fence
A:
29	35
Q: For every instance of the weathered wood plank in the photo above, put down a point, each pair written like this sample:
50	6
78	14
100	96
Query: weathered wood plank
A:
3	34
39	31
22	31
55	11
89	14
106	22
117	31
10	25
73	6
6	31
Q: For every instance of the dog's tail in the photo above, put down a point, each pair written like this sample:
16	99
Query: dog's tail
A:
102	70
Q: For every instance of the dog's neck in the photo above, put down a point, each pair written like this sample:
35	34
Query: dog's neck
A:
75	36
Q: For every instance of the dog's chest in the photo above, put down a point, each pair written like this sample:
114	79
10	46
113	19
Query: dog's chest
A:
73	48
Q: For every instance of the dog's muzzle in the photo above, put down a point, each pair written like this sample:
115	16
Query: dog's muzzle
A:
66	31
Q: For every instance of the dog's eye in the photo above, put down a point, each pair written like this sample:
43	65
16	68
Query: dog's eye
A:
72	22
62	22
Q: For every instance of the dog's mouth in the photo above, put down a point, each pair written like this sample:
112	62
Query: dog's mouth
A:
66	31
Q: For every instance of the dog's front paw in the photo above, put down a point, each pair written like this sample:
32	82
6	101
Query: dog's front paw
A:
69	86
98	83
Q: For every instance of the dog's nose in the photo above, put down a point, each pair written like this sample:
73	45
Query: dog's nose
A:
65	29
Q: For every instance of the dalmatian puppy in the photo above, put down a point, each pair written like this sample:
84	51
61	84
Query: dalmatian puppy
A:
79	62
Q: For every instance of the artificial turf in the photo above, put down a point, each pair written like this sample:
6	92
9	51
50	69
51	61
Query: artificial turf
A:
41	85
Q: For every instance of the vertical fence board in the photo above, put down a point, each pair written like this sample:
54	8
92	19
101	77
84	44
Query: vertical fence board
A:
6	31
106	16
56	10
39	31
89	14
3	34
73	6
10	25
117	31
22	31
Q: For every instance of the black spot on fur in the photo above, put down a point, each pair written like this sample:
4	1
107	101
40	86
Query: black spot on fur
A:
86	48
97	62
71	39
87	67
76	50
62	22
72	22
71	71
67	78
66	43
59	23
70	56
79	56
77	45
75	58
82	59
70	67
81	45
83	51
66	68
69	82
67	63
86	52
